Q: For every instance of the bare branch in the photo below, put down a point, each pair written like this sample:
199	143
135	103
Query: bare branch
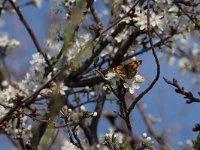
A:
31	33
181	90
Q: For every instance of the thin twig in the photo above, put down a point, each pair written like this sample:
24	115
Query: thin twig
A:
31	33
95	120
21	142
35	118
76	138
149	123
181	90
9	8
196	127
120	19
93	12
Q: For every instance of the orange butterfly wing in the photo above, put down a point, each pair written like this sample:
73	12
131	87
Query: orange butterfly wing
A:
118	70
127	71
132	68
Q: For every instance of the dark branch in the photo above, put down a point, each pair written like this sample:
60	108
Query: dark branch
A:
181	90
31	33
137	99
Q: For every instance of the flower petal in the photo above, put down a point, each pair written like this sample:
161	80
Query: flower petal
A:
135	86
131	90
110	75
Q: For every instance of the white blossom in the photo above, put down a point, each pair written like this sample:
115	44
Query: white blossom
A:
77	47
4	83
37	59
82	108
53	47
144	135
68	146
141	18
62	88
5	41
133	84
156	21
10	93
117	135
184	65
95	114
110	75
38	3
121	36
164	1
70	3
174	8
3	111
148	138
92	93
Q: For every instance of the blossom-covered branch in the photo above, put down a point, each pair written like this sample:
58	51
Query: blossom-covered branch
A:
83	80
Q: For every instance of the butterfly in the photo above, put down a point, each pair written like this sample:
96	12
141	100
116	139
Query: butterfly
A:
126	71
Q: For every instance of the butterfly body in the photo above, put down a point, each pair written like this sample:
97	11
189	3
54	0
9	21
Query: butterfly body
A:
126	71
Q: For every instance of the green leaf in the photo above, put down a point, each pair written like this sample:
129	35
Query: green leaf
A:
113	140
195	142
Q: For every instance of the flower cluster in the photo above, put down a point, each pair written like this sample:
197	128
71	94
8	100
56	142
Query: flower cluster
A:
76	115
71	119
32	81
115	139
147	142
133	84
6	43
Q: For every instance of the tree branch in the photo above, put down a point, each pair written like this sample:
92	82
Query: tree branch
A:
181	90
137	99
31	33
